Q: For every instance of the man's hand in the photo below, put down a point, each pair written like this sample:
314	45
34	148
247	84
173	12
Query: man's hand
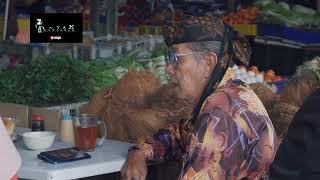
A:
135	168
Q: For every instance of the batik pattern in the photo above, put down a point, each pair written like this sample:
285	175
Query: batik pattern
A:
233	138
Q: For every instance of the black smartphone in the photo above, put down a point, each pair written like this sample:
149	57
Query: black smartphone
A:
63	156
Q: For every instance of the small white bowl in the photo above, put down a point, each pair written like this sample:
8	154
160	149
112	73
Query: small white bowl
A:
38	140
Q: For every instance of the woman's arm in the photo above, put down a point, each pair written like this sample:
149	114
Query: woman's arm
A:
166	143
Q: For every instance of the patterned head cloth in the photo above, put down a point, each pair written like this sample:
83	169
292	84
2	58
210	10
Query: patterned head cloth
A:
206	28
235	47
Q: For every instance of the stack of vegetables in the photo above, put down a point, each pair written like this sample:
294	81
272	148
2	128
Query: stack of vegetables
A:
243	16
281	13
56	79
46	81
252	75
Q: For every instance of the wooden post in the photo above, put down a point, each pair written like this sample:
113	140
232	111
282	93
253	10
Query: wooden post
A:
116	9
94	17
6	17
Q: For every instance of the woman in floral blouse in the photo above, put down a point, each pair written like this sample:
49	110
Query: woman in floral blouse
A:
229	135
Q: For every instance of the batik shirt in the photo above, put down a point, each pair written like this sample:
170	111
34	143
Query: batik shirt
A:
232	138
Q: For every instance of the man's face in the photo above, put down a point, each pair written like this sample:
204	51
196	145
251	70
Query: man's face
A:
190	71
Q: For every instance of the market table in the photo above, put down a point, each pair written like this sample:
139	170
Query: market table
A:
106	159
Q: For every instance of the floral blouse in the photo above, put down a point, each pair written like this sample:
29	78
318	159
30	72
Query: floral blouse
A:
232	139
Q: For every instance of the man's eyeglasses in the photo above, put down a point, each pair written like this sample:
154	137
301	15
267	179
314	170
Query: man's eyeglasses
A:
173	57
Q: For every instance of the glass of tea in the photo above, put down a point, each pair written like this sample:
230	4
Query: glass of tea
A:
86	132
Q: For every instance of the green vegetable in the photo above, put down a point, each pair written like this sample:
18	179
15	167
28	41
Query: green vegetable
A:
284	5
47	81
56	79
280	13
303	10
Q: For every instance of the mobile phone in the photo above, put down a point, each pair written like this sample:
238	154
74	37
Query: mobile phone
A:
63	156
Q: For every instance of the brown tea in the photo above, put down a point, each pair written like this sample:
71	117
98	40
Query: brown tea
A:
85	138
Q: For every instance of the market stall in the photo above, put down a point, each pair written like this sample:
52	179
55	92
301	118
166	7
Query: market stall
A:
118	74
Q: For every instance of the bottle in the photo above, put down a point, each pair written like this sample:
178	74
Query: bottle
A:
37	123
66	131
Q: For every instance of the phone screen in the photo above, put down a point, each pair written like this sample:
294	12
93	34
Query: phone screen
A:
63	155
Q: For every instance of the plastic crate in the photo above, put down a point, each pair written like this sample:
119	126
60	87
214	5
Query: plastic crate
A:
280	84
59	48
146	30
306	36
68	108
246	29
158	30
153	30
130	30
280	57
85	52
273	30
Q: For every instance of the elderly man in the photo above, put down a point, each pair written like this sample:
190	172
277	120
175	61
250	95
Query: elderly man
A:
229	135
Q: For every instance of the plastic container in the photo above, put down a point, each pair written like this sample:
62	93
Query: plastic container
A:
273	30
37	123
280	84
306	36
281	58
38	140
246	29
66	132
158	30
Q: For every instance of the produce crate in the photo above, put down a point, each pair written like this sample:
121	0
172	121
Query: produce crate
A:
280	85
154	30
306	36
102	27
108	50
281	57
158	30
68	108
84	52
118	45
273	30
246	29
130	30
59	48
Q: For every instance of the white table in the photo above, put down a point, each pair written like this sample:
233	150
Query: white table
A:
106	159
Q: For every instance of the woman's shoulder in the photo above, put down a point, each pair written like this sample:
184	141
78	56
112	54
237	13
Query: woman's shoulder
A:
233	96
